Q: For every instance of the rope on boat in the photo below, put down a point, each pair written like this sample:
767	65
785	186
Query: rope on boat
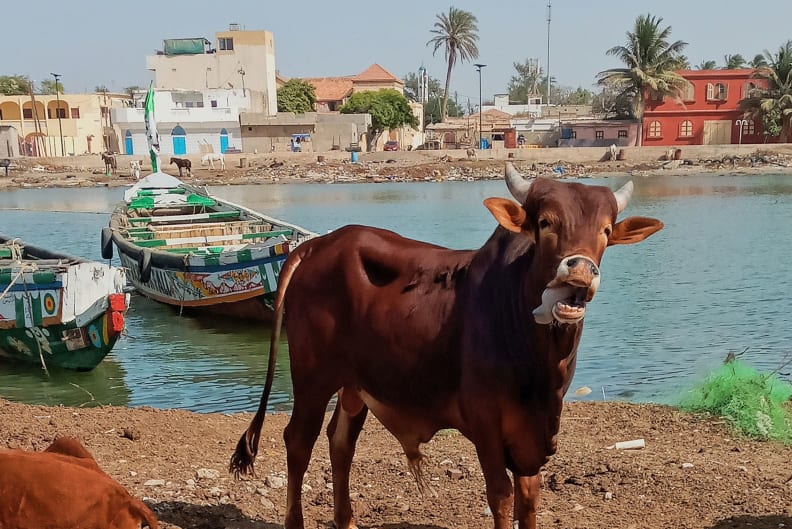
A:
16	255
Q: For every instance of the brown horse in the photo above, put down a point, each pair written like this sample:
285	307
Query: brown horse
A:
109	160
182	163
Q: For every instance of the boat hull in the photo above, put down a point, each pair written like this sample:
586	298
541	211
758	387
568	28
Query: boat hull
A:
67	346
58	310
188	249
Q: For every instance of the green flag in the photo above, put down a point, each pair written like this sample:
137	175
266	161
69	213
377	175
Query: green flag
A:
151	130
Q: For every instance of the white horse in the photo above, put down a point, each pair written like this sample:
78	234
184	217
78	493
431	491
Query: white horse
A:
213	157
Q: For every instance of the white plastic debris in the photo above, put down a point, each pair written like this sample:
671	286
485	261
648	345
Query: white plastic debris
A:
634	444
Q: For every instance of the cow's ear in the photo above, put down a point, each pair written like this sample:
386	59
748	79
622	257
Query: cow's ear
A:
633	229
508	213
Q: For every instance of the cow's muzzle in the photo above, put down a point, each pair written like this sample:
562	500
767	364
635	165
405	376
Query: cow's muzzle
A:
564	298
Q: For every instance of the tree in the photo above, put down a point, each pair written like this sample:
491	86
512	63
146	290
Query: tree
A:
707	65
297	96
527	82
433	104
733	62
47	87
773	104
100	89
758	61
651	61
389	109
14	85
457	33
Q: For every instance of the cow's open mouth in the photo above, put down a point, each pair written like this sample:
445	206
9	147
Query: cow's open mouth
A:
565	304
572	308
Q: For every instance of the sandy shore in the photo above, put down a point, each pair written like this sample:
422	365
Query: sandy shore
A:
376	167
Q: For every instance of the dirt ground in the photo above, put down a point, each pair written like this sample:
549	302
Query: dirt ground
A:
692	472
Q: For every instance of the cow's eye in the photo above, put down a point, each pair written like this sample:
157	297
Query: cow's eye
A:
544	224
608	231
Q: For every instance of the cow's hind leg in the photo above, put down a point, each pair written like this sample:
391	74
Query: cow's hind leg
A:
526	500
310	404
343	432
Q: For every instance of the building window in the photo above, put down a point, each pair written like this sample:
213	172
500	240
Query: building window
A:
225	43
199	104
573	135
75	113
654	129
104	112
622	133
686	128
599	134
689	92
748	127
54	113
717	92
749	89
214	103
27	113
189	104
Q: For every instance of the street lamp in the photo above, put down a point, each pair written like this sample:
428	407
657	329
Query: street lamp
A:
57	111
741	123
481	114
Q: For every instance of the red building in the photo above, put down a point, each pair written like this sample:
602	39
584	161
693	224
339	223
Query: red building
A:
708	113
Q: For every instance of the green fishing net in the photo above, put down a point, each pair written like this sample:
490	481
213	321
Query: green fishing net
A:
755	404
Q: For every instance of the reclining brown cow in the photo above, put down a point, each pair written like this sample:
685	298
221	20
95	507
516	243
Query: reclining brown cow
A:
64	488
427	338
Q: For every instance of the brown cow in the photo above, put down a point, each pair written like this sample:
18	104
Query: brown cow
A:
64	488
429	338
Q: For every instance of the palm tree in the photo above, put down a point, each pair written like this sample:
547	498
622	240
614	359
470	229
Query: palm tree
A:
457	33
707	65
773	104
651	61
733	62
758	61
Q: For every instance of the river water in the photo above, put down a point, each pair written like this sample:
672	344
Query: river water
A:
715	280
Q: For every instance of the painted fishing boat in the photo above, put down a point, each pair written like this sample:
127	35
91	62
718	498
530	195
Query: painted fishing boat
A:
56	309
192	250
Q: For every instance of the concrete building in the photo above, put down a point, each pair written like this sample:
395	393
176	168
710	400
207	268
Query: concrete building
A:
501	103
188	121
707	114
598	133
238	59
85	123
323	132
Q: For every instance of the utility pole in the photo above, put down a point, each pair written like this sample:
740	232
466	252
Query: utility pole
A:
481	113
58	112
549	8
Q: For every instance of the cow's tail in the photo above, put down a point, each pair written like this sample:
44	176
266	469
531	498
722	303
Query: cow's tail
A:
245	454
141	511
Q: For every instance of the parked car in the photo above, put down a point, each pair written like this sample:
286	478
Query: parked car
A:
391	145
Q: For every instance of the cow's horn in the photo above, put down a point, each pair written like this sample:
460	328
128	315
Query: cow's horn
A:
623	195
518	186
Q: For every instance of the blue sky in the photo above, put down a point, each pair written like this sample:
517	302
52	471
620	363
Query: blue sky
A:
92	42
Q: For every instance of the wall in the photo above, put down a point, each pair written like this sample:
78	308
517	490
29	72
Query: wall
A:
9	142
261	133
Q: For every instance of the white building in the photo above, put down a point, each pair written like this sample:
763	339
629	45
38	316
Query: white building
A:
532	109
187	121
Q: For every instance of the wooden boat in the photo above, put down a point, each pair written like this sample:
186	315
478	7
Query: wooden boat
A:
58	310
184	247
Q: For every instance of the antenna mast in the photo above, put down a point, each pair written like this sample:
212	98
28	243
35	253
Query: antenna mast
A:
549	9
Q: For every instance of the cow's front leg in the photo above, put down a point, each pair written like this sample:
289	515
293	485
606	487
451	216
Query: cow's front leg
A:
526	500
499	486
